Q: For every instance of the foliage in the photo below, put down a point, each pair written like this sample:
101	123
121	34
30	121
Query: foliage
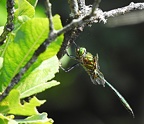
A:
29	33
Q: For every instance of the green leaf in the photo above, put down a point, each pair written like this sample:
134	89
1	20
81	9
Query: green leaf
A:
53	47
1	62
3	12
11	105
33	2
27	39
1	29
24	12
24	9
34	119
19	51
37	80
7	119
37	119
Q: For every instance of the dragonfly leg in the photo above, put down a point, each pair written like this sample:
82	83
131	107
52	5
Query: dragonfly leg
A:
70	68
71	56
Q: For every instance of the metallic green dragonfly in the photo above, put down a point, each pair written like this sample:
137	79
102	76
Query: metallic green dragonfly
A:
91	66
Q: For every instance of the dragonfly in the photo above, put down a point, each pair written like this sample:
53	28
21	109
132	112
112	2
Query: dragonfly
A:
91	66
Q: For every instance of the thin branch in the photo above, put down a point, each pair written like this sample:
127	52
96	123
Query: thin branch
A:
120	11
73	4
95	6
74	23
100	16
93	10
49	14
79	21
81	4
9	24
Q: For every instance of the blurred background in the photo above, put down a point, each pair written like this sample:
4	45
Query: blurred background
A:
120	45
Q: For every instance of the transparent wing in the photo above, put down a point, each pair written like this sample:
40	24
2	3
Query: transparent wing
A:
96	60
98	78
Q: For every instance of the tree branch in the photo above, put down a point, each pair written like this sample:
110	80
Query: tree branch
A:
98	16
81	4
120	11
95	6
49	15
73	5
9	24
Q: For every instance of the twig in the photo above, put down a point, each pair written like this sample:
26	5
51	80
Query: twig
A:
73	4
74	23
9	24
81	4
99	16
94	11
120	11
95	6
49	14
80	20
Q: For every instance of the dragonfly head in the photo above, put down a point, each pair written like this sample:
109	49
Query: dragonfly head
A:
81	52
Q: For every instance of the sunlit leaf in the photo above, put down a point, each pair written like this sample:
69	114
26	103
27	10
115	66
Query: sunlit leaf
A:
19	51
27	39
37	80
24	8
7	120
1	62
37	119
11	104
33	2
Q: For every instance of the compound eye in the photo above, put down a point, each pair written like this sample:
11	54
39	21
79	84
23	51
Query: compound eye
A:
81	51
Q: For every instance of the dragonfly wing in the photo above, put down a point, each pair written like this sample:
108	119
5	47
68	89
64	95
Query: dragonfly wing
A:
97	78
121	98
93	80
96	60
